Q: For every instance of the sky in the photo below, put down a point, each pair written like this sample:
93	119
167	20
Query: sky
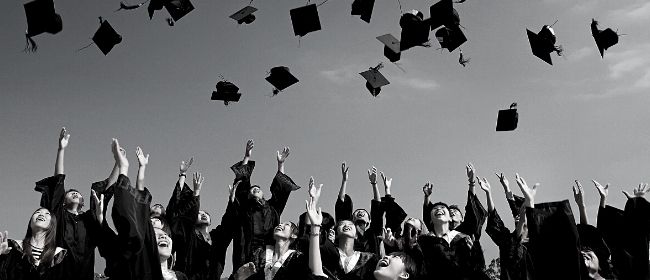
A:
583	118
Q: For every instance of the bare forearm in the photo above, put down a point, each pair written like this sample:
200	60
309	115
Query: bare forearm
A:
603	201
342	190
583	215
115	172
375	192
245	160
315	262
281	167
427	200
140	182
490	201
58	167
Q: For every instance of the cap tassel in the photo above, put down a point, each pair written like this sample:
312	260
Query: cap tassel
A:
30	45
462	60
170	21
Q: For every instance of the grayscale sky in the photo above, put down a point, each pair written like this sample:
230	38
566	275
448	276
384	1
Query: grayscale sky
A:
583	118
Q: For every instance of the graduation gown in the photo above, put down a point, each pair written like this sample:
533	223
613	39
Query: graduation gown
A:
75	233
133	252
363	269
368	241
196	257
516	263
450	261
295	266
15	266
256	220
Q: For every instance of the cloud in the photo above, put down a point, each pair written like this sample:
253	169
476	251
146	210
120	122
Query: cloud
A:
636	13
342	75
582	53
416	83
628	63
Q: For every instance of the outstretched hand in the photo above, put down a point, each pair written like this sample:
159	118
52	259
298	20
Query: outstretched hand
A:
186	165
469	169
142	159
529	192
99	205
504	181
372	175
245	271
603	191
639	191
344	171
197	181
119	154
4	243
314	191
282	156
427	189
249	148
484	184
387	182
315	216
578	194
387	237
64	137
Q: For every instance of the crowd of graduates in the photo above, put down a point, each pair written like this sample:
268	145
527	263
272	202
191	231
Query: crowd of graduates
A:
180	241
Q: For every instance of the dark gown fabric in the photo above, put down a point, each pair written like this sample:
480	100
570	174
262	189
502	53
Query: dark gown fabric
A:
516	263
256	219
15	266
362	270
75	233
304	228
368	241
627	234
196	257
133	252
553	241
453	261
294	267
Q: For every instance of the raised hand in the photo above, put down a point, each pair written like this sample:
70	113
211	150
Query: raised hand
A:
603	191
249	148
232	190
197	181
387	237
504	181
344	171
282	156
186	165
484	184
578	194
314	191
64	136
639	191
469	169
245	271
427	189
142	159
4	243
99	206
372	175
315	216
119	154
387	182
529	193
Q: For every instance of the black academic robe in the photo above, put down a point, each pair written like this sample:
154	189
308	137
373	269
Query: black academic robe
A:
627	233
364	268
15	265
294	267
450	261
304	228
554	243
368	241
516	263
133	252
75	233
196	257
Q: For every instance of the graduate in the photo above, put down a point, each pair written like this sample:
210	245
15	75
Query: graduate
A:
396	266
77	230
327	228
256	215
36	257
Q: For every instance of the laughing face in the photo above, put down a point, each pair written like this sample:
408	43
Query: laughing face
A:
41	219
256	192
346	228
203	218
440	214
390	267
164	243
284	230
72	197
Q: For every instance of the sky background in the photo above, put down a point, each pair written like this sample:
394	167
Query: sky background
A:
583	118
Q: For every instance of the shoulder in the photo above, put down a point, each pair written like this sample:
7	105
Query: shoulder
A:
16	244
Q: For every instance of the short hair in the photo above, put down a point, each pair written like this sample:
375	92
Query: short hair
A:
410	265
440	203
162	213
81	198
454	206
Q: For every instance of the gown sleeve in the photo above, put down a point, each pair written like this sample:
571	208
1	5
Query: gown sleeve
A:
496	229
281	188
475	216
52	191
343	209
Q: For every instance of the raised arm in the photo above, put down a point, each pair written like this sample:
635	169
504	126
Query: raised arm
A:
372	176
182	175
282	156
529	201
603	192
485	186
52	189
249	150
316	219
395	214
427	189
282	185
314	191
64	136
469	169
578	195
344	181
506	186
142	166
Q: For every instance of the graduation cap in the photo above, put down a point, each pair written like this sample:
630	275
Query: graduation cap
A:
374	79
604	38
391	47
450	38
154	5
443	13
245	15
508	118
106	37
305	20
281	78
415	30
178	8
227	92
363	8
41	18
543	43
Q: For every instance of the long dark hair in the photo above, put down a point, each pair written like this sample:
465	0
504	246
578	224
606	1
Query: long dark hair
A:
50	241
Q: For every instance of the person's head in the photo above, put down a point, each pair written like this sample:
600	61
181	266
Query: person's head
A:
157	210
255	192
73	199
394	266
203	219
287	231
41	222
440	213
165	244
411	229
361	219
345	228
456	216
